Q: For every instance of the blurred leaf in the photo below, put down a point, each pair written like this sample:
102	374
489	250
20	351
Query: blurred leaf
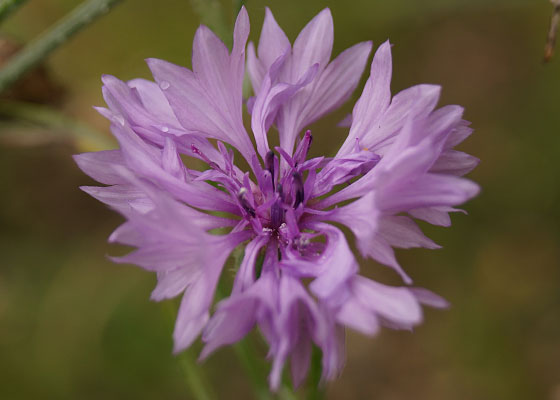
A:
26	135
58	125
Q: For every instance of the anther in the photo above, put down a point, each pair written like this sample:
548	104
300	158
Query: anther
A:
269	164
298	185
280	191
241	196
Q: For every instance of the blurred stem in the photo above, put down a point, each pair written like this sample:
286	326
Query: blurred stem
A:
243	349
286	393
7	7
247	357
212	15
50	118
316	391
196	381
38	49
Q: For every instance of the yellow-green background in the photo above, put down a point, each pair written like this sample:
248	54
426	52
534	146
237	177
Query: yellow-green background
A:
75	326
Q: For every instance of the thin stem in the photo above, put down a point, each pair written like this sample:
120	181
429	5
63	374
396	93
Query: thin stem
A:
38	49
243	349
7	7
248	359
50	118
316	390
286	393
196	381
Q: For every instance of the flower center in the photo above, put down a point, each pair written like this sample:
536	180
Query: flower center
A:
274	203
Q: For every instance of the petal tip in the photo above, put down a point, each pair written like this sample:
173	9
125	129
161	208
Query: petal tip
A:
107	79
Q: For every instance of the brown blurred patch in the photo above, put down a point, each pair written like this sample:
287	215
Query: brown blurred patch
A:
555	393
35	86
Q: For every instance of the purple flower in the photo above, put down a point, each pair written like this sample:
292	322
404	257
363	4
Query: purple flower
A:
298	280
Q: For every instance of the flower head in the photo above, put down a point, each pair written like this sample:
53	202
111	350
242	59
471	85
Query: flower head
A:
298	280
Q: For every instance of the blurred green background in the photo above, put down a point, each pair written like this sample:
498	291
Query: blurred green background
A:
75	326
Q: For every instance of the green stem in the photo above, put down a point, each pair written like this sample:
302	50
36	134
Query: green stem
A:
248	359
195	380
286	393
9	6
243	349
38	49
50	118
316	389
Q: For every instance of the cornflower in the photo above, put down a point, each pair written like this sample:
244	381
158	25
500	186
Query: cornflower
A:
298	280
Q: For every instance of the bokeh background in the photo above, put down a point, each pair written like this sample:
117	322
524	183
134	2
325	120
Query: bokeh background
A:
75	326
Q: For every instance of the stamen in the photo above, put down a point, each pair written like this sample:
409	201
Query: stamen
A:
280	191
286	157
199	153
276	214
298	184
241	196
303	147
269	161
228	157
